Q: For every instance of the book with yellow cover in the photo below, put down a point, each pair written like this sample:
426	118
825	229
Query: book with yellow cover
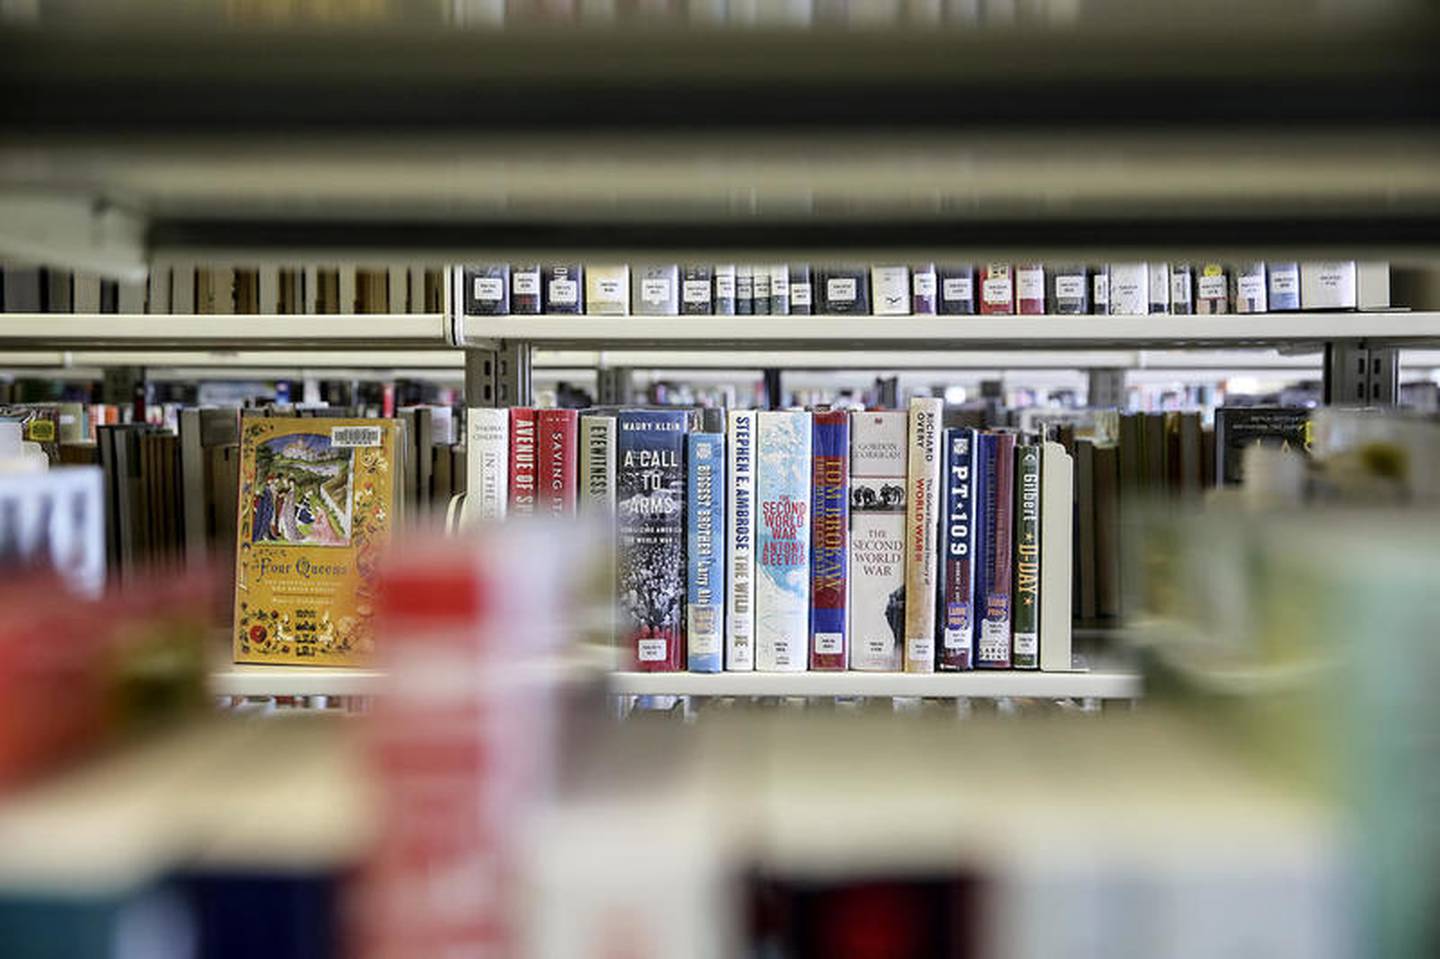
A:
318	498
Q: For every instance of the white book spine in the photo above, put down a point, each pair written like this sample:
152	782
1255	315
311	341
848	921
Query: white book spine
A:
922	503
597	465
878	452
1129	289
487	464
782	560
890	290
1057	493
740	555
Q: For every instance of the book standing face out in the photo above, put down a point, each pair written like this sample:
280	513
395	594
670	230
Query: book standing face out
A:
830	528
878	457
782	560
922	504
740	528
705	551
317	503
650	544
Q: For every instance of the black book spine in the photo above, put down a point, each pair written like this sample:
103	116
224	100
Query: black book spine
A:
526	298
697	295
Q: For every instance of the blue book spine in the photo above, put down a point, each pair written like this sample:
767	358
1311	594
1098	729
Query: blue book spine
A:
649	529
830	529
994	507
957	553
705	540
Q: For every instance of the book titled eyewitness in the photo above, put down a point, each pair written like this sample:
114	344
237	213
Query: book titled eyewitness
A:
705	551
782	557
829	575
317	502
522	461
650	542
878	453
740	552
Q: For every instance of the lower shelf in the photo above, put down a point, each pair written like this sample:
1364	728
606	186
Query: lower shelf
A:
1098	684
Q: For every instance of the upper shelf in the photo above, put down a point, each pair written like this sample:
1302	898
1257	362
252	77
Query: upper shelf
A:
863	333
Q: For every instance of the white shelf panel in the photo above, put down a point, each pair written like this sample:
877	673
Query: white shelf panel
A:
241	680
832	333
1108	684
154	330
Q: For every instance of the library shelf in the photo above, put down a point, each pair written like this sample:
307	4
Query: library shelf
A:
242	680
91	331
1097	684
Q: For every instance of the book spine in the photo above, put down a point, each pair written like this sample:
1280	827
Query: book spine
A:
1182	289
650	541
1129	289
1030	288
780	288
1284	286
1057	560
744	290
957	554
1069	291
487	290
607	290
1212	289
725	290
555	453
705	538
994	473
802	294
487	467
564	288
1100	291
922	500
957	290
1159	287
1250	288
740	508
697	294
760	289
657	291
1027	556
923	299
597	465
525	286
522	461
830	525
890	286
782	561
997	289
846	291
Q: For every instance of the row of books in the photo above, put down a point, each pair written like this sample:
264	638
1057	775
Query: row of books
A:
928	289
794	539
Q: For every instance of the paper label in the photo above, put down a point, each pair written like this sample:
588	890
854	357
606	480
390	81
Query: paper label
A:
996	290
704	632
564	291
1285	282
697	291
957	638
840	290
725	286
1031	284
743	285
489	288
919	649
610	288
1069	287
780	284
1027	645
925	284
829	644
1213	288
650	650
1251	287
958	288
654	291
1102	288
994	641
1180	287
800	294
526	284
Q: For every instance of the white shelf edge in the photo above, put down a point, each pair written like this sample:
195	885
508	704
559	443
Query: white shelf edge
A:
1099	684
250	680
86	330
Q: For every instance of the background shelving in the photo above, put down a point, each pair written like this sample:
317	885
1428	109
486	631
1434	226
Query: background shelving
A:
1099	684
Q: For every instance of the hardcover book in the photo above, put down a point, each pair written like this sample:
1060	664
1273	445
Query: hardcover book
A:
1182	289
779	288
830	528
1284	286
1100	290
890	285
1212	289
607	290
997	289
1027	557
782	560
1238	428
317	503
697	294
1030	288
487	290
487	464
725	290
802	298
1129	289
957	290
526	298
844	290
565	288
522	461
740	508
657	291
995	498
1159	287
760	288
597	465
957	552
879	452
1328	286
1069	290
1250	292
923	298
744	290
555	461
922	504
705	559
650	542
1057	531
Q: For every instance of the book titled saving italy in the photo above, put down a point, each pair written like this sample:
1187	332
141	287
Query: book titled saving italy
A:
318	500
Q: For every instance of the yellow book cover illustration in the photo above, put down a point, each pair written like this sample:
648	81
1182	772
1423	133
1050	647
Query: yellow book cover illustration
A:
317	503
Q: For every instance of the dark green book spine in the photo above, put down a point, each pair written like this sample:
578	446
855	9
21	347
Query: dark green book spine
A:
1027	557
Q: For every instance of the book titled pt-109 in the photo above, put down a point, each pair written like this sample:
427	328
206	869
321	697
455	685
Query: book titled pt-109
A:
317	503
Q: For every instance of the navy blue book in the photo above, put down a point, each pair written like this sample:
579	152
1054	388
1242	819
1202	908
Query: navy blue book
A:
994	552
956	589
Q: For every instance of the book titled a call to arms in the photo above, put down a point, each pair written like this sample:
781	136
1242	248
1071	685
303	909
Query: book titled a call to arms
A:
317	502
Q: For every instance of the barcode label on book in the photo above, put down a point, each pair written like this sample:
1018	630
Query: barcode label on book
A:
355	436
829	644
995	641
650	650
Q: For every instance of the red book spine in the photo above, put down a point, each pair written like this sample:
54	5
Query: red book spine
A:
829	530
997	288
522	461
555	457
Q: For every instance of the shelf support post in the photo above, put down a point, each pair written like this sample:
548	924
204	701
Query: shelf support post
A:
498	377
613	385
1357	374
1107	388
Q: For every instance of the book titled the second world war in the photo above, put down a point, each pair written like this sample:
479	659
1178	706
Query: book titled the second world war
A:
782	559
878	452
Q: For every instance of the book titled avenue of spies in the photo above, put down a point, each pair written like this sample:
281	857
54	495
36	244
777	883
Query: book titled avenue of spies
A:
740	508
956	588
650	540
995	502
1027	557
830	527
782	558
921	508
522	461
878	452
318	499
705	550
